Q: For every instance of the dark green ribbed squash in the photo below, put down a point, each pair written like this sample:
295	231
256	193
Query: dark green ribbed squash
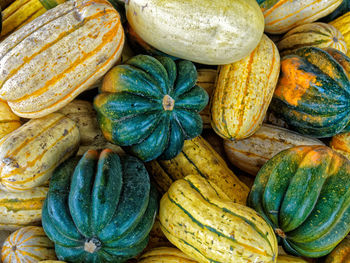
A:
313	92
304	193
152	105
100	208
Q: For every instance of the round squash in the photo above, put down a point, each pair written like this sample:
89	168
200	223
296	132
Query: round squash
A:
151	105
203	31
313	92
28	244
304	193
290	259
8	120
243	92
252	153
343	25
165	255
341	144
283	15
48	62
199	219
100	208
341	254
319	35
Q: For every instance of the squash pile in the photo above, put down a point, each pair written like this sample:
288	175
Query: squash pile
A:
175	131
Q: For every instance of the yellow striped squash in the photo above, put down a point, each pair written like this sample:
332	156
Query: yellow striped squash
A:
165	255
28	244
29	154
341	254
8	120
289	259
341	144
244	91
21	12
320	35
22	208
343	25
198	157
48	62
283	15
199	219
252	153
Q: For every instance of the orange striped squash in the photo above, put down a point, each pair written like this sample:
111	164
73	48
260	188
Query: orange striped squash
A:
29	154
8	120
244	91
28	244
283	15
21	208
48	62
343	25
319	35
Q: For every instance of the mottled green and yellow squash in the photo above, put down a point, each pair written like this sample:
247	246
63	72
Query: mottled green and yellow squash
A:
343	25
243	92
198	157
30	154
341	254
199	219
304	193
28	244
8	120
341	144
51	60
165	255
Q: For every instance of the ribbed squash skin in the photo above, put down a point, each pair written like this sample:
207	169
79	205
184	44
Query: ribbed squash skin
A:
29	154
290	259
28	244
243	92
304	192
21	209
230	31
8	120
100	209
165	255
319	35
52	59
198	157
21	12
151	105
313	92
252	153
341	254
341	144
198	218
342	24
283	15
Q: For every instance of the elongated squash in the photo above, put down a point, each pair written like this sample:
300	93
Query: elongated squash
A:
341	254
8	120
21	209
165	255
203	31
48	62
29	154
283	15
198	218
252	153
343	25
198	157
243	92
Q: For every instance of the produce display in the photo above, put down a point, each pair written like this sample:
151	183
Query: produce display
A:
171	131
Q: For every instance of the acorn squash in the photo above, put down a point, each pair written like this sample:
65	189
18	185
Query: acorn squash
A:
151	105
100	208
304	193
343	25
341	254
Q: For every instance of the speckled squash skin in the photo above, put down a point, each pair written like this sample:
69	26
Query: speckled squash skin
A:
51	60
199	158
28	244
343	25
99	208
341	254
283	15
8	120
165	255
29	154
319	35
243	92
313	92
304	193
151	105
252	153
290	259
341	144
199	219
223	37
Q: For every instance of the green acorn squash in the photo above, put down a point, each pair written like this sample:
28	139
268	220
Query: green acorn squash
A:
100	209
313	92
151	105
304	193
